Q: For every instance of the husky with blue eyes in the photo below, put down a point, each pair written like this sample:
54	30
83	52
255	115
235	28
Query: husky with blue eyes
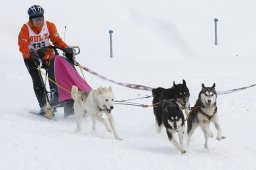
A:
204	112
95	103
173	119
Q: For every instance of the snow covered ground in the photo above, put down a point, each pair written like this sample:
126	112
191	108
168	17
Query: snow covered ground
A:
155	43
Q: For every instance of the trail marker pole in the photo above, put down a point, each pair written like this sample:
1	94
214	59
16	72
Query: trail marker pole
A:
111	46
215	24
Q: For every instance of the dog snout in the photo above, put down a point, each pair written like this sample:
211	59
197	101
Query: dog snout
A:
111	107
209	101
175	125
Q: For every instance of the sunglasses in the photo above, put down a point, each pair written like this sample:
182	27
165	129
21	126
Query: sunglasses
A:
37	19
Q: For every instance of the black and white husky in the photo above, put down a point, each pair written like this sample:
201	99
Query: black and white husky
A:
95	103
204	112
169	114
168	106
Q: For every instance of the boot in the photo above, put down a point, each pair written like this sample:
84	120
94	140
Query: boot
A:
68	108
47	111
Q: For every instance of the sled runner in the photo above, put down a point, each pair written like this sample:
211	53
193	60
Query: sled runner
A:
61	75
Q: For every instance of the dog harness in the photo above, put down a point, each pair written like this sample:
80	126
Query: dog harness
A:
97	102
209	117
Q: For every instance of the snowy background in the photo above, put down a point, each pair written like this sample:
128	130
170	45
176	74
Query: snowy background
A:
155	43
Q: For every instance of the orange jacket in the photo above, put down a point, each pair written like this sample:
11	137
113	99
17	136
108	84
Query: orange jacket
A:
24	40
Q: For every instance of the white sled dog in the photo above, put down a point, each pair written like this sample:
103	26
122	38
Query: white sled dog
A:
204	112
94	103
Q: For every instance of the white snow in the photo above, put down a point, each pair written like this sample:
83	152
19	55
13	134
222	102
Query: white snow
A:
155	43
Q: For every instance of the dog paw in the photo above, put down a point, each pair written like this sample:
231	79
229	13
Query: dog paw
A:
221	138
183	151
118	138
206	146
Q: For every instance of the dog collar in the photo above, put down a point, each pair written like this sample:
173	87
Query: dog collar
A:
100	108
96	101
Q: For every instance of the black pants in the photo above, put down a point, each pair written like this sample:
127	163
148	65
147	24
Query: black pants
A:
37	81
38	84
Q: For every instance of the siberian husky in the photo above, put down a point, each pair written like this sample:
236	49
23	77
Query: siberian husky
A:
169	114
178	92
94	103
168	106
204	112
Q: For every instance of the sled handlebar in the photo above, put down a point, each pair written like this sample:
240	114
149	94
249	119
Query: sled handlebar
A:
76	49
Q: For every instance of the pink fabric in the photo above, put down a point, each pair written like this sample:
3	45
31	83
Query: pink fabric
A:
66	76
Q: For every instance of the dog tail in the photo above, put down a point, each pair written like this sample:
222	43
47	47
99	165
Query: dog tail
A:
74	92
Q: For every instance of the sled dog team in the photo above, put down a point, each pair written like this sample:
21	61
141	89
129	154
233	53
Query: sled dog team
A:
170	106
172	109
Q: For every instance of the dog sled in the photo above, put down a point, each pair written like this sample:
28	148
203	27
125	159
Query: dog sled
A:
58	76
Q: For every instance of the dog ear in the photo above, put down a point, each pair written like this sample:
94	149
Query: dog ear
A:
174	84
203	85
184	82
213	86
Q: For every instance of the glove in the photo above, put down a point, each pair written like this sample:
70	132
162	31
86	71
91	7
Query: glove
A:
41	52
69	53
36	59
